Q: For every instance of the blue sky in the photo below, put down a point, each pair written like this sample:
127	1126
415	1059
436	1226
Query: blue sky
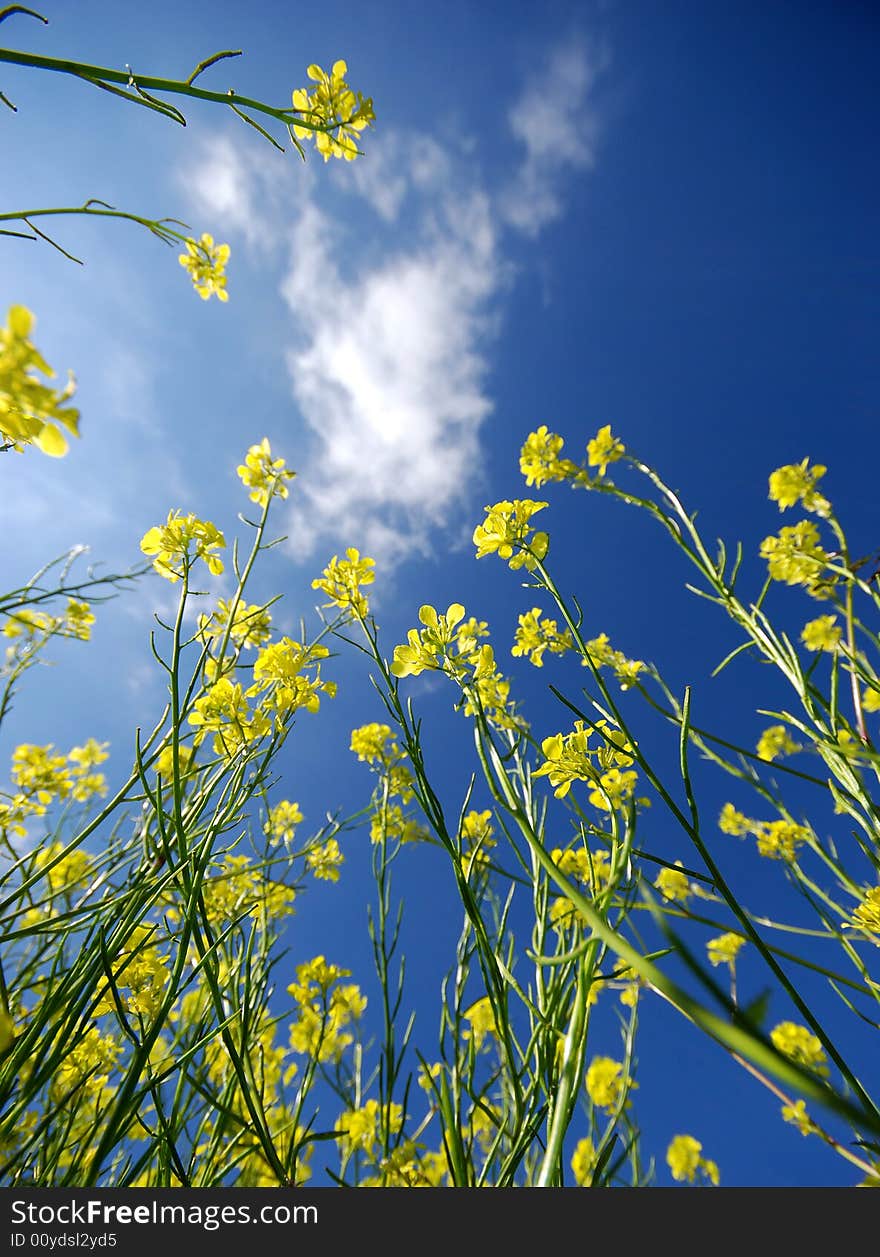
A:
658	217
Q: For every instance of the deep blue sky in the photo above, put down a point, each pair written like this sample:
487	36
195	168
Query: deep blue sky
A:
659	217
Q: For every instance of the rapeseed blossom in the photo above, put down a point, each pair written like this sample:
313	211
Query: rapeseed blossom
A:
206	263
342	581
179	542
534	636
31	412
685	1160
776	742
800	1045
604	449
263	476
796	483
507	532
606	1083
335	106
823	633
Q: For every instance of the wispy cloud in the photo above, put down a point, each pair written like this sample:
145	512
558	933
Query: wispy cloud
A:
558	123
389	372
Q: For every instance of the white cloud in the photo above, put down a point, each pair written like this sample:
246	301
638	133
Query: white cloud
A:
556	121
390	375
230	186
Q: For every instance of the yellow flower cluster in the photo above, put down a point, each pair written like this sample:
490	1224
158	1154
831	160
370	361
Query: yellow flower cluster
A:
477	838
343	579
63	875
326	1010
334	106
539	459
673	884
178	543
799	1045
481	1022
448	643
604	655
823	633
206	263
31	412
606	1083
569	758
776	742
239	888
534	636
592	869
140	975
795	555
41	777
867	915
324	860
604	449
796	483
777	840
25	627
506	532
359	1130
263	476
724	949
282	820
687	1164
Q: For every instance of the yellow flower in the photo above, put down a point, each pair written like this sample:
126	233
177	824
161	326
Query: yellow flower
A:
605	1083
799	1045
673	884
79	619
429	647
724	949
324	860
505	532
823	633
477	836
31	413
604	449
871	699
282	820
326	1010
374	742
342	579
206	263
539	459
867	915
336	107
179	542
779	840
683	1156
534	636
795	483
796	1115
262	476
795	556
223	710
776	742
481	1019
604	655
614	789
583	1162
733	822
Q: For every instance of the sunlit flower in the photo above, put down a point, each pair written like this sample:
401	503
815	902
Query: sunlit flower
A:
776	742
179	542
685	1161
263	476
800	1045
334	106
604	449
506	532
673	884
31	412
796	483
823	633
206	263
724	949
342	581
605	1083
